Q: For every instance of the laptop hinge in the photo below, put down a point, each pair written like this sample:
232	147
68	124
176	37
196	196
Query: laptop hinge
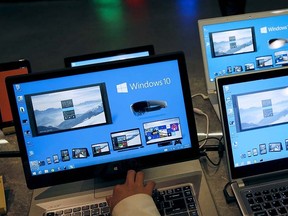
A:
240	183
264	178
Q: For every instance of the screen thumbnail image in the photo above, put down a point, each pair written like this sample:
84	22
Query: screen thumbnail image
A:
261	109
264	61
100	149
126	139
65	155
281	57
78	153
275	147
232	42
162	131
69	109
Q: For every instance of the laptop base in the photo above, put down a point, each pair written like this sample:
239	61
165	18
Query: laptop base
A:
260	197
62	196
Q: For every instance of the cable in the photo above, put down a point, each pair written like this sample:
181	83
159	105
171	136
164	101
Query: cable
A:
213	163
229	198
200	112
205	97
6	154
220	148
209	138
202	146
211	134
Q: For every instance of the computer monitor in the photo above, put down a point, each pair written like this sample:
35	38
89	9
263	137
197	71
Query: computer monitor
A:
243	43
9	69
254	111
109	56
101	120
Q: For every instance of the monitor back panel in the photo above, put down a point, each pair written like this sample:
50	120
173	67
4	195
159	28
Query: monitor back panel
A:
6	70
109	56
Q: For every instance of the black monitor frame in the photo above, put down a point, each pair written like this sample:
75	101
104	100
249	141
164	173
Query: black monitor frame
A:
108	171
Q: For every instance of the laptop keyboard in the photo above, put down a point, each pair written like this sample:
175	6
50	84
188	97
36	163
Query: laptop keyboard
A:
178	200
97	209
268	201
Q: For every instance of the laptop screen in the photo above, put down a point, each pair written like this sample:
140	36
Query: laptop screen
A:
87	122
109	56
9	69
254	109
243	43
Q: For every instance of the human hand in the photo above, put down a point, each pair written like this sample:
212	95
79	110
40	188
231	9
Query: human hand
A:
134	184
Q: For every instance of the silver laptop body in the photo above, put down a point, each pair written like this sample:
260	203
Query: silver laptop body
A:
254	120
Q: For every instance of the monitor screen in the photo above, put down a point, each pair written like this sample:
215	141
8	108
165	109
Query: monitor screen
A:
243	43
109	56
9	69
122	115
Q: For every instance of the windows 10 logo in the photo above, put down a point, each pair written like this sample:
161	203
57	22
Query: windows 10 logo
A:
264	30
122	88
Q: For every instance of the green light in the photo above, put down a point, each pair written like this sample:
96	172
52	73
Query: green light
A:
109	10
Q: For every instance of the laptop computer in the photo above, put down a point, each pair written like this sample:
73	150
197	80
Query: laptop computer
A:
9	69
241	44
254	118
80	129
109	56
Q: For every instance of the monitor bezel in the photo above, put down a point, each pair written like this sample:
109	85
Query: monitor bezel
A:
69	60
7	66
109	170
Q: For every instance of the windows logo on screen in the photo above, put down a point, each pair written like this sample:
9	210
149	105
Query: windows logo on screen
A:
122	88
264	30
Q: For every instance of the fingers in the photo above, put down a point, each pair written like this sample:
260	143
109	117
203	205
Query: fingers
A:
139	179
149	187
108	199
134	177
130	178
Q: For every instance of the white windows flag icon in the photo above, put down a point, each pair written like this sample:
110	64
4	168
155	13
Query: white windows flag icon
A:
122	88
264	30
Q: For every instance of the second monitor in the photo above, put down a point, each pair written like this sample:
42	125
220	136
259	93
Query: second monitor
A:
109	56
